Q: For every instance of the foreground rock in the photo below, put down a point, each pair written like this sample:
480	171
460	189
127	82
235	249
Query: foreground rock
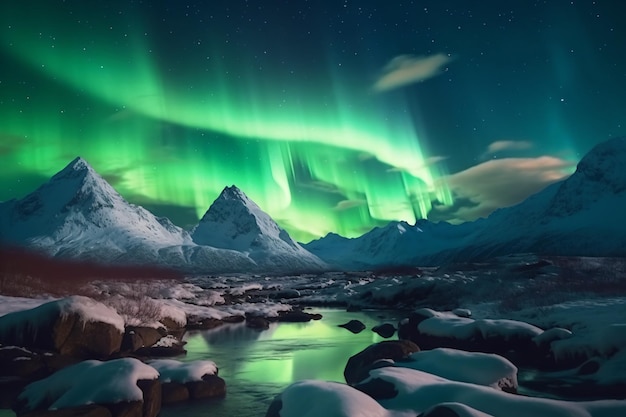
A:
190	380
137	337
385	330
297	316
409	392
125	387
75	326
419	391
512	339
316	398
20	366
359	365
485	369
355	326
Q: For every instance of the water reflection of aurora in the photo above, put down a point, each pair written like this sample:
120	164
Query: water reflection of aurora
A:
286	352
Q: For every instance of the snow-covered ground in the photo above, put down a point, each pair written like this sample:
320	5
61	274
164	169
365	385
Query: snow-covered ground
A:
585	298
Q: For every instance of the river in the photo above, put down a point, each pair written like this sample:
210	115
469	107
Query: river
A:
258	365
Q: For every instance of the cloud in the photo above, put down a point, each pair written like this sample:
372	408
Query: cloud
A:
426	163
348	204
408	69
508	145
503	182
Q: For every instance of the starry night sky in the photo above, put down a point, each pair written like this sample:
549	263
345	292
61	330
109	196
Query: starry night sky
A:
334	116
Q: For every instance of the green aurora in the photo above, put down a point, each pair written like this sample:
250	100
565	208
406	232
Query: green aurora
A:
173	101
312	158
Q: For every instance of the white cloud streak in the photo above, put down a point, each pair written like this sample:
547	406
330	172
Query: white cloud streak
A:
408	69
508	145
504	182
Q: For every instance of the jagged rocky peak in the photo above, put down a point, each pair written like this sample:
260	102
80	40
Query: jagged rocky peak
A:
598	175
75	169
604	164
234	221
231	201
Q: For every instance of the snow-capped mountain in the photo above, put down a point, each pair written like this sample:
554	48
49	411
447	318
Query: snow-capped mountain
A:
78	215
237	223
582	215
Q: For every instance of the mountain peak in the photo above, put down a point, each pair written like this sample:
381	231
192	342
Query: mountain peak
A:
598	174
233	193
234	221
78	211
75	169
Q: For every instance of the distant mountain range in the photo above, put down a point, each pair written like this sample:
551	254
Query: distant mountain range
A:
580	216
78	215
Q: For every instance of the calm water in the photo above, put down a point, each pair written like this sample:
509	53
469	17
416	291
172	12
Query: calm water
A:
259	365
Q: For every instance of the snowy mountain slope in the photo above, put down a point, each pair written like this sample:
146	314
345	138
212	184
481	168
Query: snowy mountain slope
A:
581	215
237	223
77	212
397	243
78	215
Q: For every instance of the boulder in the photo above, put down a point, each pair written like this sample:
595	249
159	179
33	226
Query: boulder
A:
298	317
517	341
174	392
22	363
211	386
378	389
152	397
20	366
85	338
136	337
359	365
407	328
385	330
75	326
132	384
126	409
355	326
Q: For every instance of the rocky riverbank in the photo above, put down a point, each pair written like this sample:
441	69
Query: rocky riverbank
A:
51	352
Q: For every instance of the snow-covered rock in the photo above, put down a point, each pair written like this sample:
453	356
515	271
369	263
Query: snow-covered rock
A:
311	398
409	389
457	365
191	380
237	223
358	366
75	326
89	382
171	370
403	392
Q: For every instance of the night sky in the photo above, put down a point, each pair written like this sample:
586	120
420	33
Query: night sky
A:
334	116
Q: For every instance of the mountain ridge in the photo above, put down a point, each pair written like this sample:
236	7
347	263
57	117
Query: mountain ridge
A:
78	215
578	216
236	222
